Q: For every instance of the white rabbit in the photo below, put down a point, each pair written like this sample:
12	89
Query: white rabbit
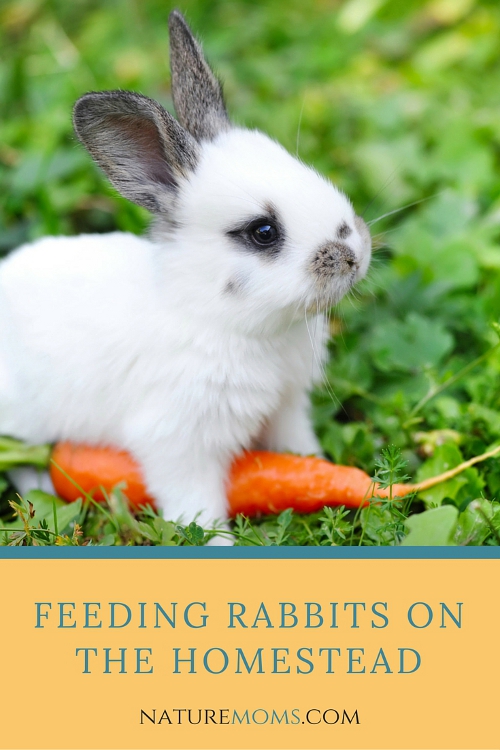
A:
187	347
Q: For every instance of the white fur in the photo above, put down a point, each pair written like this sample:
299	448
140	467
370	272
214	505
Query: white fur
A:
119	340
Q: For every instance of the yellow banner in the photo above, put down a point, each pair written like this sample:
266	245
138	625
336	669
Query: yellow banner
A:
247	653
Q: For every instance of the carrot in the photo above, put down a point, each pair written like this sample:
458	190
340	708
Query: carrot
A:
270	482
263	482
259	481
76	467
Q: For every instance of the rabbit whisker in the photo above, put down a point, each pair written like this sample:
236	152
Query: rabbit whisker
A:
403	208
385	185
320	365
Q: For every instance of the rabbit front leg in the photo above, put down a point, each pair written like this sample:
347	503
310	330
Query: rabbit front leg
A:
289	428
187	487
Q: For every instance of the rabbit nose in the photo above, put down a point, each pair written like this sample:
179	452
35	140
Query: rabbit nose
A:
333	259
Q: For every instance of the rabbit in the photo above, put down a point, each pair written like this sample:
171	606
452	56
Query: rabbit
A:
203	339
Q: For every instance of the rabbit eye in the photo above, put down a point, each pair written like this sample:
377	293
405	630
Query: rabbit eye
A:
263	233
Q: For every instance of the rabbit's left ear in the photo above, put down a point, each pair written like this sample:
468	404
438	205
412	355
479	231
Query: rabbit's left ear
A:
196	91
145	152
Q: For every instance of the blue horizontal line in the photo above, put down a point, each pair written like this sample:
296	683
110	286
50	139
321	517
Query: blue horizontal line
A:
250	553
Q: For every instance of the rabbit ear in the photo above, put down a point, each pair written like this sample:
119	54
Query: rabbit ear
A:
196	92
141	148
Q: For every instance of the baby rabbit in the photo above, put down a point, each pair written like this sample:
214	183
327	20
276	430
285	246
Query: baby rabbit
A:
190	346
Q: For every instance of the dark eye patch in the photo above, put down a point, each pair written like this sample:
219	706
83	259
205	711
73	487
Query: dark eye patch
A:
262	234
344	231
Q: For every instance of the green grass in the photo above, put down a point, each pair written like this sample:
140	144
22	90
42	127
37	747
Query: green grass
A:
394	103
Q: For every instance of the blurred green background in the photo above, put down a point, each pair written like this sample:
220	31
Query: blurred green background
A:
398	103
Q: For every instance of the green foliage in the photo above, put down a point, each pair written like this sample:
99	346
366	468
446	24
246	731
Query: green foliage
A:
466	485
392	101
435	527
410	344
15	453
41	520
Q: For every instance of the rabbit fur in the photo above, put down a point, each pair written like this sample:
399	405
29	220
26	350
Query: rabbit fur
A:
191	345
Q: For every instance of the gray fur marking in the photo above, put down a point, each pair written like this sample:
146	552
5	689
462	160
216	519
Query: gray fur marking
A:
344	231
196	92
139	146
235	285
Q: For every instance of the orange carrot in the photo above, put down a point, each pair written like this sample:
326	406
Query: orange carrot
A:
264	482
93	468
259	481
